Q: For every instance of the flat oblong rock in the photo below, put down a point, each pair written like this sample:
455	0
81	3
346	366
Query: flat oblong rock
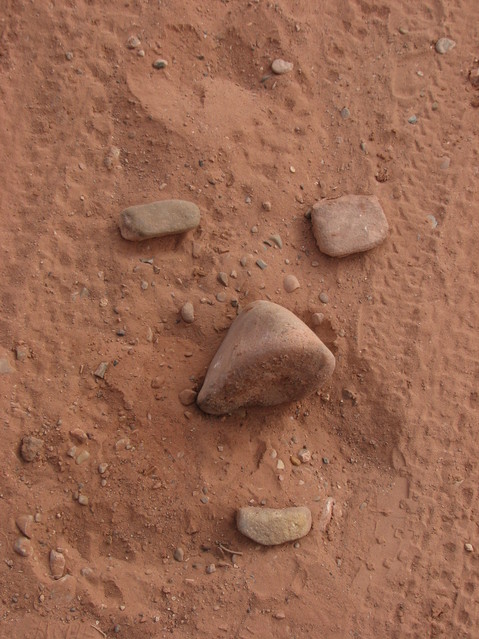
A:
157	219
273	526
269	356
350	224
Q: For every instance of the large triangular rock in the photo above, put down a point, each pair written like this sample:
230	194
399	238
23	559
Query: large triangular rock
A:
349	224
269	356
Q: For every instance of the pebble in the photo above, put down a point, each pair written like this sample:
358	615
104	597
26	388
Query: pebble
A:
443	45
267	206
30	448
144	285
290	283
133	42
349	224
160	64
403	30
83	500
101	370
187	396
179	554
277	240
345	113
22	546
112	158
323	297
317	319
280	66
304	455
221	296
326	514
262	265
295	460
445	164
468	547
269	356
20	353
223	278
244	260
82	457
412	119
280	464
273	526
69	56
79	435
25	524
102	468
158	219
254	229
210	569
57	564
187	313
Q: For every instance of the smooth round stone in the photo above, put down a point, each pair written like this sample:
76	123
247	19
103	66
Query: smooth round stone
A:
187	396
158	219
290	283
281	66
349	224
25	524
269	356
160	64
273	526
187	313
443	45
23	546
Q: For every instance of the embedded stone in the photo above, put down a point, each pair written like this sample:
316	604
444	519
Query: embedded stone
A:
158	219
269	356
273	526
349	224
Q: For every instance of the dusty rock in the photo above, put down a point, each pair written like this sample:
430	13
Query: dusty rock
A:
261	264
272	526
290	283
349	224
30	447
83	500
101	370
223	278
5	367
57	564
25	524
268	356
187	396
324	297
79	435
281	66
82	457
210	569
166	217
187	313
179	554
443	45
22	546
326	514
317	319
267	205
160	64
276	239
474	77
112	158
133	42
304	455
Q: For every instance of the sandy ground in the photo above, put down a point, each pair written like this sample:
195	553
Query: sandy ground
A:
398	421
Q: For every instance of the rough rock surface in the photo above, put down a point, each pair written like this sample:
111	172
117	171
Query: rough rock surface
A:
350	224
167	217
269	356
272	526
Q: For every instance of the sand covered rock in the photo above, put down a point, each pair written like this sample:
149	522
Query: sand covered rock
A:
273	526
350	224
269	356
167	217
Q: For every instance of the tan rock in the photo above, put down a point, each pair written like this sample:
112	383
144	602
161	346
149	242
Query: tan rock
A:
281	67
167	217
350	224
290	283
268	356
273	526
188	313
187	396
57	564
25	524
30	447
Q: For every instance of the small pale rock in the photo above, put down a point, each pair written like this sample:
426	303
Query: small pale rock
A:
21	353
83	500
112	158
223	278
345	113
179	554
443	45
158	219
295	460
268	356
82	457
281	66
187	396
30	447
267	206
304	455
277	240
5	367
273	526
23	546
188	313
468	547
79	435
317	319
25	524
101	370
290	283
323	297
280	464
160	64
350	224
57	564
102	468
210	569
221	296
133	42
262	265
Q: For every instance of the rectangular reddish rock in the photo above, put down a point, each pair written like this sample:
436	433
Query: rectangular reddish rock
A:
350	224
